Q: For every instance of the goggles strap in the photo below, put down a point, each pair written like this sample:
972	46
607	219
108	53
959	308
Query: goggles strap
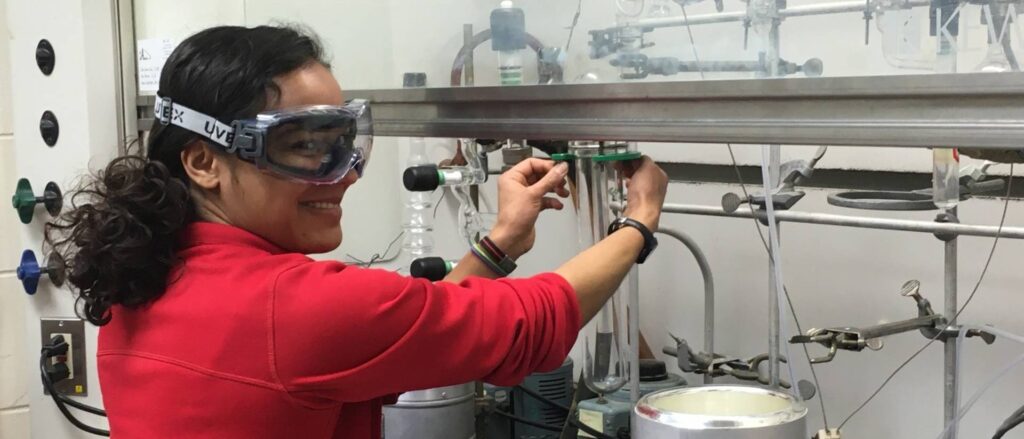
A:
169	113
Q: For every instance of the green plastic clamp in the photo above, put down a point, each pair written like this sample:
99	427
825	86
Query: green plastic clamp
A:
563	157
24	200
617	156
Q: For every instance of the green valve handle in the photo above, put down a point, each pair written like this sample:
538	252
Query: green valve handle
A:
610	157
618	156
24	200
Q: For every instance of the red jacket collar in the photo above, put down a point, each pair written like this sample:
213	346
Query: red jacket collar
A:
206	233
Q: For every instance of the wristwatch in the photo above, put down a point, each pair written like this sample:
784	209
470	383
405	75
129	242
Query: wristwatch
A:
650	242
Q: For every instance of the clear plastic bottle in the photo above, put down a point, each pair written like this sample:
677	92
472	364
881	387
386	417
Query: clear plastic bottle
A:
945	177
418	223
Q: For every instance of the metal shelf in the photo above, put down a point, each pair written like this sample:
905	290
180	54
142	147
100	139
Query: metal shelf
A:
964	110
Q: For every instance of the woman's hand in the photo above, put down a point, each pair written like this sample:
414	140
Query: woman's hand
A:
522	195
645	191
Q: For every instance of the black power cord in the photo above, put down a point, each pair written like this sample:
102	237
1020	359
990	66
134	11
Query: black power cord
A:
525	421
60	372
57	347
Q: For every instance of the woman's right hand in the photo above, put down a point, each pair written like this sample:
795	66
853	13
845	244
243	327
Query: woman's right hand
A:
645	191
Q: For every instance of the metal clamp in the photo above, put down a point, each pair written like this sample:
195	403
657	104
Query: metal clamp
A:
972	182
717	365
924	308
882	200
856	339
785	196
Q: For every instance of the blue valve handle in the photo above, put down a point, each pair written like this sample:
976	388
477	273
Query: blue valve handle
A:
29	272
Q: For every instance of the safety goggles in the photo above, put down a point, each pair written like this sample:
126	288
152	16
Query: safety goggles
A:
315	144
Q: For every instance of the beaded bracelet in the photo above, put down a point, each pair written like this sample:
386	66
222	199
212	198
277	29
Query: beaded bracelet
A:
492	256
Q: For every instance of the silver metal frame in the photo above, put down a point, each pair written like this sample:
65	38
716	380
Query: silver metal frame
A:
861	222
970	110
739	16
124	43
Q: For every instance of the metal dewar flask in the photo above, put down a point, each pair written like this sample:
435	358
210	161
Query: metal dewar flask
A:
440	413
719	412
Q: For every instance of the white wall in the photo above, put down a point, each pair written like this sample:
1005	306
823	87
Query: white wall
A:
81	92
14	415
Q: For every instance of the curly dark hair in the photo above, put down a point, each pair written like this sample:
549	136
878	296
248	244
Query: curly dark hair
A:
121	236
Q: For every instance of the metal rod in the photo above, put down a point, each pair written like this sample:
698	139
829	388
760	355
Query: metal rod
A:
772	57
655	23
899	327
127	80
709	290
634	335
951	372
946	62
774	315
728	17
851	221
469	77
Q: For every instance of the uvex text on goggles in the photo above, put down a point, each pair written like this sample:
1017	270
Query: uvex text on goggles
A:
318	144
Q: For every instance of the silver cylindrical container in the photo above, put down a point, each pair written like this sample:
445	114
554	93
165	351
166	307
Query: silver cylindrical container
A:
719	412
440	413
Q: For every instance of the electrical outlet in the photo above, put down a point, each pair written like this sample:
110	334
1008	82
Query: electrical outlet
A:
73	331
66	359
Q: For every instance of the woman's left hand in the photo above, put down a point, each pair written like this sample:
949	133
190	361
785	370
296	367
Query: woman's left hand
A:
522	195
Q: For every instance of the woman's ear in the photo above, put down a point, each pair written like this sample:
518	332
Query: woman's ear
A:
204	167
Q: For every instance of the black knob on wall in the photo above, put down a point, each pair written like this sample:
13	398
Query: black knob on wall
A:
49	128
45	57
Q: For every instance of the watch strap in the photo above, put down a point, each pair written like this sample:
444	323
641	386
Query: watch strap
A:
650	242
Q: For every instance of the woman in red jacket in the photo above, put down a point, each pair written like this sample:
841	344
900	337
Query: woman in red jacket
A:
214	322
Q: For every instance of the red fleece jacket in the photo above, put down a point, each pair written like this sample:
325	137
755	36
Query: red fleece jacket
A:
250	341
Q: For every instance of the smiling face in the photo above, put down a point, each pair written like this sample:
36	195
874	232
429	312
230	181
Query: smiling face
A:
295	216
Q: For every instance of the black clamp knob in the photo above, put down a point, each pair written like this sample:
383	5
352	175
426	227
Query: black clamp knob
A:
24	200
45	57
423	178
29	272
49	128
431	268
